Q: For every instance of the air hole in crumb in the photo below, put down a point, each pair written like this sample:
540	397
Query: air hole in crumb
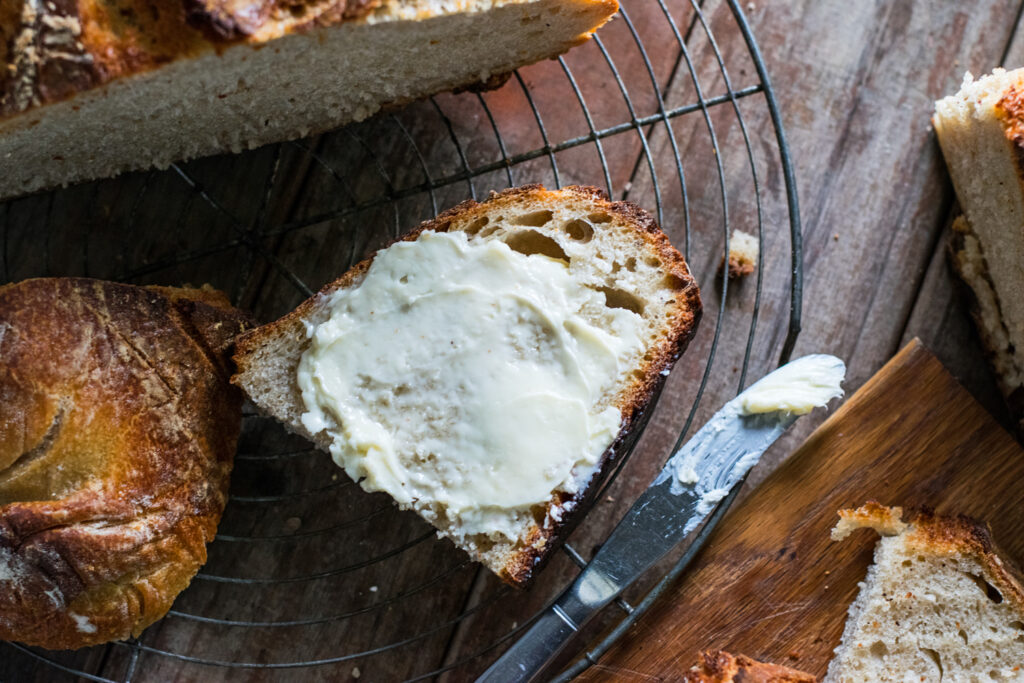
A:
907	563
674	282
637	374
963	634
539	512
443	227
581	231
1017	624
631	264
652	262
616	267
404	279
474	227
531	242
934	656
490	230
601	217
991	592
878	649
648	356
616	298
535	219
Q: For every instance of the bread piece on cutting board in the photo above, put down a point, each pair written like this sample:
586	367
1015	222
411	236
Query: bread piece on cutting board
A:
981	131
613	249
937	604
92	88
722	667
117	432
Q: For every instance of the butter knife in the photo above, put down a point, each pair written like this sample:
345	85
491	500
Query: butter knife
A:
684	493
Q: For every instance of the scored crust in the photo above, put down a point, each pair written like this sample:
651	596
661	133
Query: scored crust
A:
117	433
267	357
722	667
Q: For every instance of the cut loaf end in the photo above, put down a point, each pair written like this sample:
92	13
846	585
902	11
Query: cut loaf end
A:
938	604
149	95
612	248
981	131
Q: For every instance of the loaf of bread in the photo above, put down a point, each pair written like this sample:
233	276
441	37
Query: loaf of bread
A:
91	88
585	305
938	604
981	130
722	667
117	432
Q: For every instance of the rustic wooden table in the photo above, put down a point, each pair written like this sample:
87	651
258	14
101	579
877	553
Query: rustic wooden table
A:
855	82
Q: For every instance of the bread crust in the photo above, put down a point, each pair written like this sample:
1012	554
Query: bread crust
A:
563	513
117	433
722	667
945	535
56	49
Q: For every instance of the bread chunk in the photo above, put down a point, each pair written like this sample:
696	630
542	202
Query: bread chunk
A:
981	131
612	252
117	434
93	88
937	604
722	667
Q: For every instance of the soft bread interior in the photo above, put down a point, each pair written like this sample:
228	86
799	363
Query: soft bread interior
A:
250	94
981	130
604	250
932	609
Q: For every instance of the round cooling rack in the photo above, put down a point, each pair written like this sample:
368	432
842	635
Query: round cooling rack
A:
311	578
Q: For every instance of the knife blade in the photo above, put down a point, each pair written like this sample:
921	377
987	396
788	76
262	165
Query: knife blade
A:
682	495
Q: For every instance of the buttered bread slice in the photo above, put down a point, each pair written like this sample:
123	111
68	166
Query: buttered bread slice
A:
485	369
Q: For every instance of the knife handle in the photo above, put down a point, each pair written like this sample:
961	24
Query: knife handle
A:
538	646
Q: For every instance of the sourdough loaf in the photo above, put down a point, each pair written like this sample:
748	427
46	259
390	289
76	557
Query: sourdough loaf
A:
614	249
117	432
981	130
722	667
938	604
92	88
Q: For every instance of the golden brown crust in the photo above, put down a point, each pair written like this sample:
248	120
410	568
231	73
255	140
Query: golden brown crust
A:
960	534
945	535
722	667
564	513
117	432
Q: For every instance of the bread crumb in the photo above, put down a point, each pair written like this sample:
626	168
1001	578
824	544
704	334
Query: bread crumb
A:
744	249
292	523
373	589
356	673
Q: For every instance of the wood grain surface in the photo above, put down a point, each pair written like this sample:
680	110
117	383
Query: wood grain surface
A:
855	82
771	584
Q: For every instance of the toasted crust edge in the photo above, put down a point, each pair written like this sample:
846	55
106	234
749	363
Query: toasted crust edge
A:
723	667
943	534
544	538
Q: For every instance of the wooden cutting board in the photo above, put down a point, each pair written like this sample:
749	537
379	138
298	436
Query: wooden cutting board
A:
771	584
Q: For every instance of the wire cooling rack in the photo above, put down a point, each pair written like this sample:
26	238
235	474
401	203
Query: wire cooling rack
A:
310	578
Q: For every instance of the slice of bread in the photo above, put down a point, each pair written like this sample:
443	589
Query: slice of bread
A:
722	667
981	130
615	249
92	88
938	604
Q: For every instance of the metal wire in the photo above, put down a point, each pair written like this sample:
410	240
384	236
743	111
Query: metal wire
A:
423	137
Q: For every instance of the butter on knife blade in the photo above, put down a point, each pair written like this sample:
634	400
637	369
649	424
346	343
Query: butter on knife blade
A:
796	388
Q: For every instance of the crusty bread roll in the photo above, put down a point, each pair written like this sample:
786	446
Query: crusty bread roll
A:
981	130
722	667
91	88
612	249
938	604
117	432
